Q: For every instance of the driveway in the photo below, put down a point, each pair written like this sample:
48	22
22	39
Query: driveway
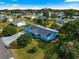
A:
8	40
4	52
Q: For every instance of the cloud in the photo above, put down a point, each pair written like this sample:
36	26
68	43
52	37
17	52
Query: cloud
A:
2	2
15	5
71	0
74	6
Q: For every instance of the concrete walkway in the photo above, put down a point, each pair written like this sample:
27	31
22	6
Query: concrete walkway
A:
10	39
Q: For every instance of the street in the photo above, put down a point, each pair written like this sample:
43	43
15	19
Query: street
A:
4	52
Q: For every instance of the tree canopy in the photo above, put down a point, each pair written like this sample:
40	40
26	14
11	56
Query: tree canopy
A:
9	30
46	12
24	39
67	47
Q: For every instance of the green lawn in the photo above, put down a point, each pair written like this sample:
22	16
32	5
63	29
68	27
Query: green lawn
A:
43	50
21	53
3	24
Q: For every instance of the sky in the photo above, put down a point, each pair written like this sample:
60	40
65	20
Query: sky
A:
39	4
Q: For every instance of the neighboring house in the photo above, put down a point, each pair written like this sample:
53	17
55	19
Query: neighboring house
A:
61	15
40	14
10	19
75	17
41	18
18	23
71	19
29	16
41	33
16	14
61	21
3	18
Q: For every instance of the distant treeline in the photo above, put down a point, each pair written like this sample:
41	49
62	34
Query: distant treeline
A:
67	12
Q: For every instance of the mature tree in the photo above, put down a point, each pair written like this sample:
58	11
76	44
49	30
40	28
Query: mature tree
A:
24	39
46	12
9	30
54	56
55	26
73	54
43	22
68	33
69	13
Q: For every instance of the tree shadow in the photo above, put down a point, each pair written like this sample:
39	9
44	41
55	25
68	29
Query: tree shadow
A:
48	53
45	45
14	45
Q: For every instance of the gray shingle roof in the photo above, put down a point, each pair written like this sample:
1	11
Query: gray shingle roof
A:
39	30
15	22
41	17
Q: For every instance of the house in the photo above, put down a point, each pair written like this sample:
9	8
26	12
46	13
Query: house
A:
16	14
61	15
29	16
40	32
40	14
3	18
71	19
41	18
10	19
61	21
75	17
18	23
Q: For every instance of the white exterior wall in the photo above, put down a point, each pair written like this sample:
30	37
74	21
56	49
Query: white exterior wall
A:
20	24
33	17
10	19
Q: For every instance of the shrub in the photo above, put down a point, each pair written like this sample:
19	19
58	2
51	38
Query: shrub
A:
24	39
9	30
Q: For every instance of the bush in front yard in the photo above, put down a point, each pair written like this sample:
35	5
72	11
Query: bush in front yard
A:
24	39
33	50
9	30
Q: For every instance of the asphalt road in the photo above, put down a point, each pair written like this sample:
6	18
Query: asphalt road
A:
4	52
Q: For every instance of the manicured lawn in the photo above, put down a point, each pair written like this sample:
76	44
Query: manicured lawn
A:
50	23
3	24
21	53
43	50
19	29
